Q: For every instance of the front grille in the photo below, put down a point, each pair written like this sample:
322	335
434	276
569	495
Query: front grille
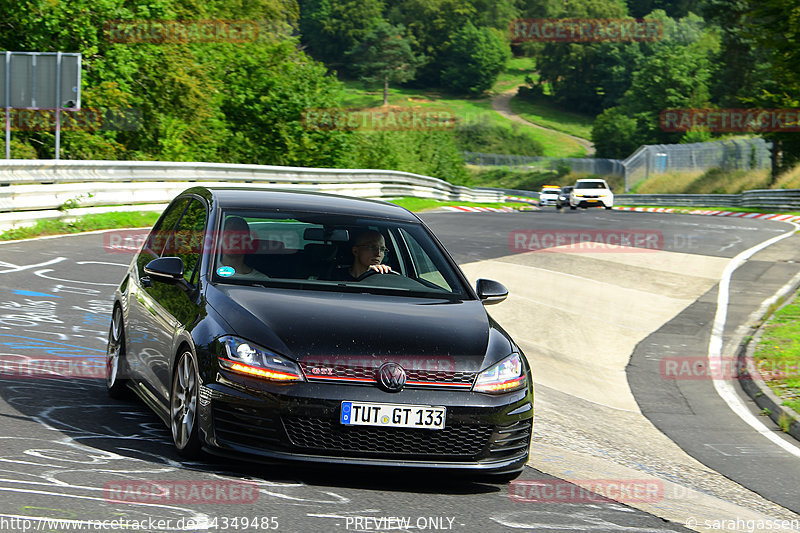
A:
328	436
366	375
462	378
244	425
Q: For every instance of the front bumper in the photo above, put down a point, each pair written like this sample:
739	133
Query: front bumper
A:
585	201
300	422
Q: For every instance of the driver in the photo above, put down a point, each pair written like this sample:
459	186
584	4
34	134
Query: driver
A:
369	248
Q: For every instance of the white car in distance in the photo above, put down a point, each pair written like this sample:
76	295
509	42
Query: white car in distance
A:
591	193
549	195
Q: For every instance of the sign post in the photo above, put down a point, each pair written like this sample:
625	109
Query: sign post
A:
40	80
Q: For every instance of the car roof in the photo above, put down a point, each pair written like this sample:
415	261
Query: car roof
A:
264	198
591	180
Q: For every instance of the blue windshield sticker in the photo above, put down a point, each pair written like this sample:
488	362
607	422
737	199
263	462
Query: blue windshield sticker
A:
225	272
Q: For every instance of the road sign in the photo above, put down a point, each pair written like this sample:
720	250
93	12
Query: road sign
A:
40	80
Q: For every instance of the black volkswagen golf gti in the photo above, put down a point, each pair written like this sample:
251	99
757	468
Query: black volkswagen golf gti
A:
245	324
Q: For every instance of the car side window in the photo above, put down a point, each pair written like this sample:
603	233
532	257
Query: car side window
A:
187	241
161	232
425	267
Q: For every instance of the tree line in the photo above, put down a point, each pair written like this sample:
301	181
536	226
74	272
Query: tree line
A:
242	101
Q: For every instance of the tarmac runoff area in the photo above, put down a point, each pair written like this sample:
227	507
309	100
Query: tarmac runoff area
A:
588	425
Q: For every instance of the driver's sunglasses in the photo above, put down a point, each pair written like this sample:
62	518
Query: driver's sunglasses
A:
374	248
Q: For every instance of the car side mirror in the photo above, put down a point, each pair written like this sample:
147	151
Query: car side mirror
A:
490	291
166	269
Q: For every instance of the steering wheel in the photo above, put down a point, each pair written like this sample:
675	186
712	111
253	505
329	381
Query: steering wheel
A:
371	272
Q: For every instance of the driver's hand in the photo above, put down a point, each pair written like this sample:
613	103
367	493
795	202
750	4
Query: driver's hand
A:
381	269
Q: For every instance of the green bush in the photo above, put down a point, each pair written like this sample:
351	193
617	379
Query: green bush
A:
421	152
493	139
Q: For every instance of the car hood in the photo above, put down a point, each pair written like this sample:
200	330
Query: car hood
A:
314	326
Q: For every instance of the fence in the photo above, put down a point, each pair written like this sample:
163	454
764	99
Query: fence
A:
651	159
602	167
734	154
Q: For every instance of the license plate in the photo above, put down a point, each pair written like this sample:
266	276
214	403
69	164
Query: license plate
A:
392	415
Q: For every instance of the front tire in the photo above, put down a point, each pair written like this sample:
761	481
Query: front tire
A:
183	405
116	364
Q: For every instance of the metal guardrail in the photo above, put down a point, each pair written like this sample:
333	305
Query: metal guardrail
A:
40	189
36	189
680	200
776	199
511	192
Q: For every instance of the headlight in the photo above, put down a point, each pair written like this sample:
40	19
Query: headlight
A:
247	358
505	376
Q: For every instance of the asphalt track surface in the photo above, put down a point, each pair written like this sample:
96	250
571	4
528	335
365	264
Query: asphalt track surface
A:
65	444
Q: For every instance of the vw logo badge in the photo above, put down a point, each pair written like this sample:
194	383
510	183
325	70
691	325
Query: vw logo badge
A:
391	377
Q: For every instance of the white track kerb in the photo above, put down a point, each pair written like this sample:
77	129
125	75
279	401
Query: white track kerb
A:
725	388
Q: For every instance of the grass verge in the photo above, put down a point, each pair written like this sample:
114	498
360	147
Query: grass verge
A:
423	204
712	181
117	219
777	355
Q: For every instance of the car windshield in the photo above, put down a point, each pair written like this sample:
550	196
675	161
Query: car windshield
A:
313	251
590	185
